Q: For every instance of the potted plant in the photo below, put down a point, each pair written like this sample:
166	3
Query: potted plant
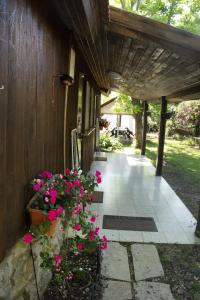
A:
48	202
60	194
103	123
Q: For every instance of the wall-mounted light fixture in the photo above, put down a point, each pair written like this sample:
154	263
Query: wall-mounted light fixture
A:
65	79
114	75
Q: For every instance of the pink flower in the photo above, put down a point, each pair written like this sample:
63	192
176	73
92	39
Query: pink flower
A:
52	215
104	246
91	235
59	210
36	187
46	193
98	179
75	173
53	194
77	227
46	174
80	246
104	239
91	197
98	173
67	171
76	182
93	219
77	209
57	260
60	176
28	238
81	191
97	231
46	199
69	186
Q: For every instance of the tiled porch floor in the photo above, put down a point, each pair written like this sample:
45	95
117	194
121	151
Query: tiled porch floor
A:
132	189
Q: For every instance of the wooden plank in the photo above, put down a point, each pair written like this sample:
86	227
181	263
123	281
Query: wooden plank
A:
33	48
4	44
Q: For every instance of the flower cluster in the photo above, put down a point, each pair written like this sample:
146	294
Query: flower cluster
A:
67	196
59	192
103	123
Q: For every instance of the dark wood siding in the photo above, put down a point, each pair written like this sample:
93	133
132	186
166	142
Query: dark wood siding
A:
33	48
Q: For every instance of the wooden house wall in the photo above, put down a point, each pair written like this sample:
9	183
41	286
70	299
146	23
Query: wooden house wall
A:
33	48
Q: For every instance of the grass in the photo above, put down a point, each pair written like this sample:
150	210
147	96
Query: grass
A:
180	155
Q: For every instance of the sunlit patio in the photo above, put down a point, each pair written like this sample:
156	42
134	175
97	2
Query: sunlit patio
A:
131	189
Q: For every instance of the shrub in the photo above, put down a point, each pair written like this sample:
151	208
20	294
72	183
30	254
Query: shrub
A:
186	120
108	143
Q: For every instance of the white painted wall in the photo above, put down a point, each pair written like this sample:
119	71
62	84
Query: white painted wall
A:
126	121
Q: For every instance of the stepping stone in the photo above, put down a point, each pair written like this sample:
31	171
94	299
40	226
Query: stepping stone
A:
146	262
117	290
115	263
152	291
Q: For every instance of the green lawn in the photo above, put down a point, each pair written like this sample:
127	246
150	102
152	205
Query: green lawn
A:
179	155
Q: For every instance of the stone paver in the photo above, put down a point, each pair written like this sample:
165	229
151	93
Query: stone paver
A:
152	291
146	262
115	263
116	290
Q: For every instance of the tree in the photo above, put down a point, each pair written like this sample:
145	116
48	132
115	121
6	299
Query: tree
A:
180	13
126	104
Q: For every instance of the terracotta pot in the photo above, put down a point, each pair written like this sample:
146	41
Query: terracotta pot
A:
38	217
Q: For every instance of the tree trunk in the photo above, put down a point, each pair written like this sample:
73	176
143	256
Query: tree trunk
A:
138	122
197	232
138	130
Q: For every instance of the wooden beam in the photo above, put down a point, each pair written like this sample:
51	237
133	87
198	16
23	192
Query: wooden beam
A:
148	39
144	133
155	29
192	90
159	164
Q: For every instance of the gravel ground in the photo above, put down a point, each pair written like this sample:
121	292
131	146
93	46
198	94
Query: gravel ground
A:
181	264
185	187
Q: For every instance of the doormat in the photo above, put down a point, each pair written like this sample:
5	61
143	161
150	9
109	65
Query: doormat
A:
98	197
129	223
100	158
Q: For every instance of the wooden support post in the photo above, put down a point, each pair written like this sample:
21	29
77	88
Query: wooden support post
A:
144	133
159	164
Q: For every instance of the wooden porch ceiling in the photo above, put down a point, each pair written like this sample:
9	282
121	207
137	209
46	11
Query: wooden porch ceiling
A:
153	59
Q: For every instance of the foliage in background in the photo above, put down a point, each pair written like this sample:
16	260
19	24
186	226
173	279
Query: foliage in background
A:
124	103
186	119
108	143
179	155
184	14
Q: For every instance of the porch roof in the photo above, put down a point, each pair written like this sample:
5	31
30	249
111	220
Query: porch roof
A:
153	59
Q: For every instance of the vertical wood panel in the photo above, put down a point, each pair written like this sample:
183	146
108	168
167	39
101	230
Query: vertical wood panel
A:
33	48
